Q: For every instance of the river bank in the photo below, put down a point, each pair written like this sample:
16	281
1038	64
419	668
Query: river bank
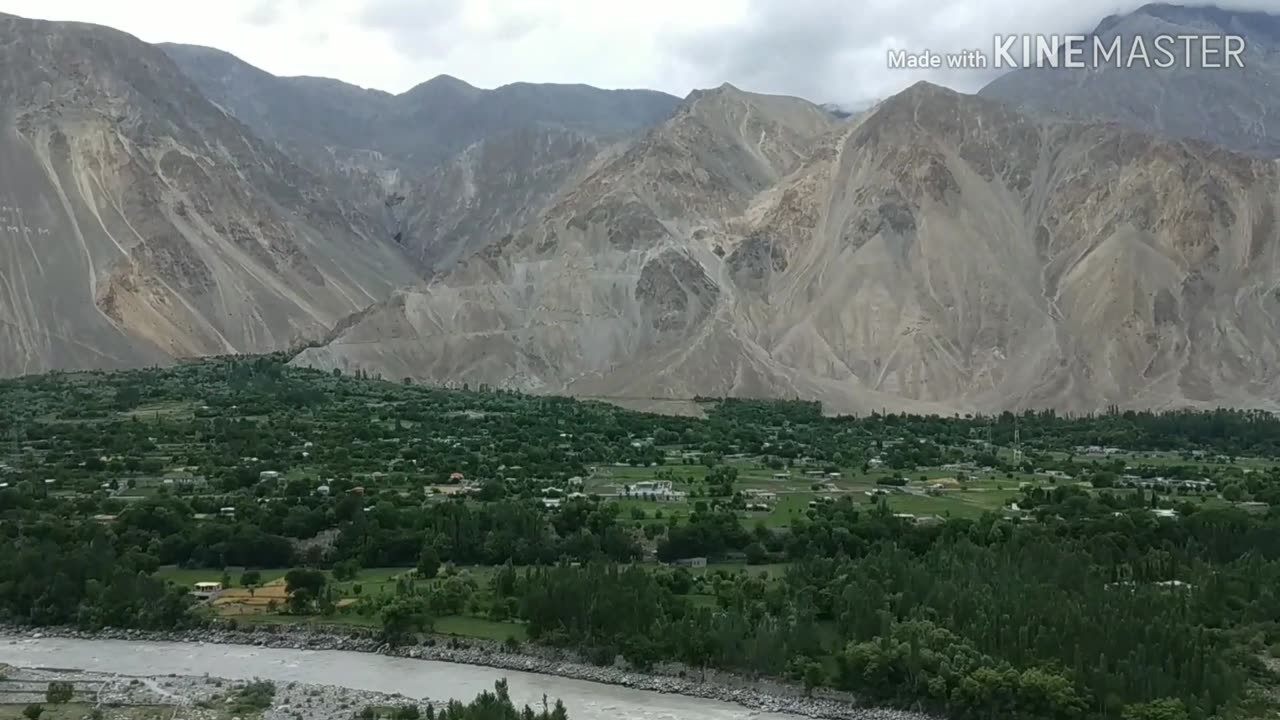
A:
761	695
181	697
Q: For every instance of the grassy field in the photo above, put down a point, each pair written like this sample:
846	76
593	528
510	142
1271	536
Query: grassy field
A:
371	580
187	578
653	509
256	605
958	505
788	508
981	493
173	410
466	626
773	570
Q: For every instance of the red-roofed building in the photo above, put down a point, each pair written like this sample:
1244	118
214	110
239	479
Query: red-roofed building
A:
456	477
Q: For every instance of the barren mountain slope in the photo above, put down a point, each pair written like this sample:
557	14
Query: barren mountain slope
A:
138	222
558	299
1236	108
488	191
942	253
958	253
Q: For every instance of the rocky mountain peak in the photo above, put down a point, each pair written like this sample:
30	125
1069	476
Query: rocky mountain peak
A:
442	88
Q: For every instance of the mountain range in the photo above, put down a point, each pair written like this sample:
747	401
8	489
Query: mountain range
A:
1062	239
943	253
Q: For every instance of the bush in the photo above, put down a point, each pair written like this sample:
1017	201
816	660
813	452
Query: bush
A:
346	570
254	697
407	712
428	563
59	692
32	712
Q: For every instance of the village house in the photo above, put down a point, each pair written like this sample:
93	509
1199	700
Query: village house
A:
206	590
660	490
1098	450
1166	483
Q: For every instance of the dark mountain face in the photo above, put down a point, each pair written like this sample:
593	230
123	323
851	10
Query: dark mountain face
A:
293	112
499	153
1228	107
420	128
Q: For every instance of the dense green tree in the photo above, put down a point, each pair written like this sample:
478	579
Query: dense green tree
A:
428	563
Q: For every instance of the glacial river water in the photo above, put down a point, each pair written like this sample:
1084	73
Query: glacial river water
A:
364	671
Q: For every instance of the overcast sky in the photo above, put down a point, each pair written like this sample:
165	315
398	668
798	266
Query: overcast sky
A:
824	50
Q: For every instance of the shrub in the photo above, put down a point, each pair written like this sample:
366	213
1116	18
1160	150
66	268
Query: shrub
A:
59	692
253	697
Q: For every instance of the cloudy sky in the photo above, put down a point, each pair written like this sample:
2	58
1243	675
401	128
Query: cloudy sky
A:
824	50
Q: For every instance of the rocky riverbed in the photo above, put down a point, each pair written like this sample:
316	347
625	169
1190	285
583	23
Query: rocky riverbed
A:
756	694
192	698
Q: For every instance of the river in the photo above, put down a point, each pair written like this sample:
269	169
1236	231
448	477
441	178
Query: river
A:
364	671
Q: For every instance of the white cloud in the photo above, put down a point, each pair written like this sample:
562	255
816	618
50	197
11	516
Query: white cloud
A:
821	49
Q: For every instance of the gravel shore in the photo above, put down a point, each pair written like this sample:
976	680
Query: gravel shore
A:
756	694
198	698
